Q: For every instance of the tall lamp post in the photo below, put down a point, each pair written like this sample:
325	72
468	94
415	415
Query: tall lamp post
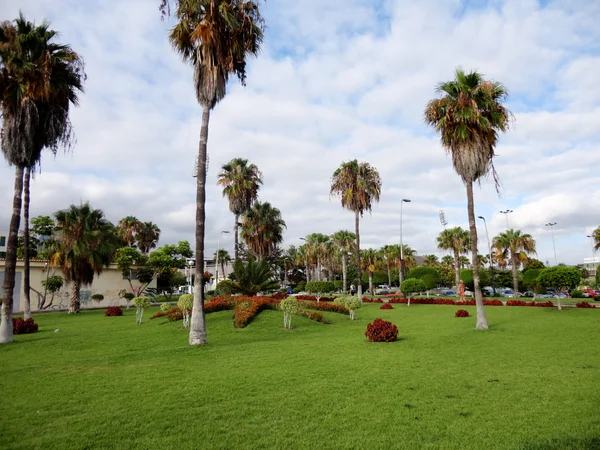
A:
490	253
506	213
217	258
401	274
591	236
551	225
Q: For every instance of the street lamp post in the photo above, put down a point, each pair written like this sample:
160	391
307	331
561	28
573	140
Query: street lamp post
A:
401	274
217	258
506	213
490	253
551	225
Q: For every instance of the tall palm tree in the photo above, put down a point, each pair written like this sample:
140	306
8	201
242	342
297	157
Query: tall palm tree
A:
464	262
468	116
147	237
409	257
216	37
358	185
596	237
430	260
39	80
448	260
127	228
302	260
387	256
318	250
457	241
370	263
515	247
344	239
241	182
262	229
223	257
86	244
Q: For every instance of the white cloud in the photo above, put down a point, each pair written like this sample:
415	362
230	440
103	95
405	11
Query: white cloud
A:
337	80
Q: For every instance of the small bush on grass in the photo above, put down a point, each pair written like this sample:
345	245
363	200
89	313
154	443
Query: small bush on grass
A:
141	303
381	331
314	315
21	326
351	302
576	294
461	313
174	314
584	305
112	311
128	296
164	307
386	306
289	306
186	303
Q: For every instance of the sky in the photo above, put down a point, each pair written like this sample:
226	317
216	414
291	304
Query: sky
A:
336	80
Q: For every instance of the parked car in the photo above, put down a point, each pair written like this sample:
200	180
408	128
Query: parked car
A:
590	292
447	293
507	293
528	294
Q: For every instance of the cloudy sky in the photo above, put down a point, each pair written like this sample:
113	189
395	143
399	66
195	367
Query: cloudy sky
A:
336	80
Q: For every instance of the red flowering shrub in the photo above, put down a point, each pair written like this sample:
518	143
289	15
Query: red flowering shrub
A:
175	314
314	315
249	307
493	303
547	304
219	304
444	301
398	300
279	296
158	314
386	306
372	300
21	326
332	307
465	303
381	331
461	313
313	298
113	311
584	305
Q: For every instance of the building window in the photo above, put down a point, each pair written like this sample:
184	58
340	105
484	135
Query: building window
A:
133	275
2	241
2	254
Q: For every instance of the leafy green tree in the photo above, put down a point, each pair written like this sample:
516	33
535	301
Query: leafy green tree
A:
39	80
413	285
52	285
358	185
216	37
466	275
429	275
241	182
514	246
457	241
561	278
320	287
530	280
253	276
469	115
532	263
86	245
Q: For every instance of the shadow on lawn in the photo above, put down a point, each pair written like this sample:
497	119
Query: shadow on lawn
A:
586	443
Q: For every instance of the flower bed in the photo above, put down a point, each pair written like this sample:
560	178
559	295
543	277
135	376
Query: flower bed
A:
381	331
21	326
461	313
248	307
584	305
314	315
313	298
386	306
219	304
372	300
159	314
331	307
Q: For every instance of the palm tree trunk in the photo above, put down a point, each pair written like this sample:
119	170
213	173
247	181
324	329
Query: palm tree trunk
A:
358	271
26	268
344	274
371	283
10	268
389	276
74	306
515	274
481	319
198	323
235	230
456	268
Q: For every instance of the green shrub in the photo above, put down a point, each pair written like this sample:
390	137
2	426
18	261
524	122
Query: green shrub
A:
300	287
128	296
411	286
140	303
289	306
576	294
186	303
429	275
466	275
349	301
338	285
225	287
320	287
98	297
165	307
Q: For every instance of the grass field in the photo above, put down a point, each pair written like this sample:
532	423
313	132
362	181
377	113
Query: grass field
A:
530	382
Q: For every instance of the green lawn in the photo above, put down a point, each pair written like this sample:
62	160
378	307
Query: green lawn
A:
531	382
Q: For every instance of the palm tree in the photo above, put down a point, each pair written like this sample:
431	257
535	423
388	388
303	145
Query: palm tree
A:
468	116
216	37
302	260
448	260
253	276
457	241
430	260
39	80
262	229
343	240
357	185
514	246
409	257
127	228
596	237
241	182
464	262
86	244
223	257
370	263
318	250
388	255
147	237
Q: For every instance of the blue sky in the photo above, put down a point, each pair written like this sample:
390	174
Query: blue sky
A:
336	80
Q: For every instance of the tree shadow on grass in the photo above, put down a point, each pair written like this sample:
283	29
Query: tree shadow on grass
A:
570	443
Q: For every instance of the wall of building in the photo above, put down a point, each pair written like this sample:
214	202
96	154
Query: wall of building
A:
109	283
3	243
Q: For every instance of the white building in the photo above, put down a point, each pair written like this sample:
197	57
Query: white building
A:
591	264
3	243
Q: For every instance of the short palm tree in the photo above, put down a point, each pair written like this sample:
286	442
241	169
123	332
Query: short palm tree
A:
253	276
262	229
388	255
343	240
241	182
430	260
86	245
514	247
147	237
223	257
216	37
448	260
371	261
358	185
127	228
468	116
596	237
457	241
39	80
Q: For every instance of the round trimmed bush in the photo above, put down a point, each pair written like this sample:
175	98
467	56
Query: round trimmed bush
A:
386	306
112	311
142	302
186	301
165	307
461	313
381	331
